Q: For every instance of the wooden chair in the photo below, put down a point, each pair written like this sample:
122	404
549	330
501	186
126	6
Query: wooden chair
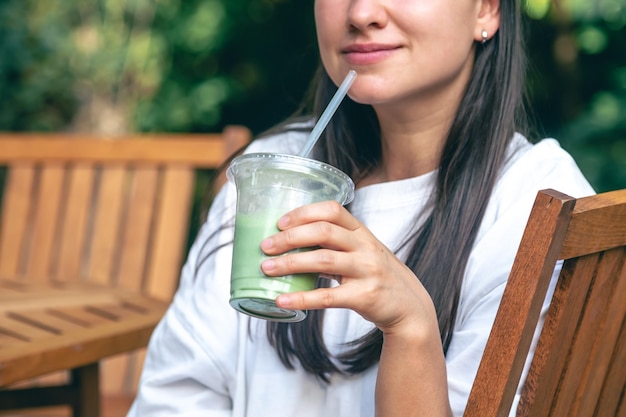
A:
92	237
579	365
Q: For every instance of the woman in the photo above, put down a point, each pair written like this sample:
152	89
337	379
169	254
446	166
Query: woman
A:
444	183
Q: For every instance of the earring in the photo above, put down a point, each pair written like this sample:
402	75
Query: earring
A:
484	35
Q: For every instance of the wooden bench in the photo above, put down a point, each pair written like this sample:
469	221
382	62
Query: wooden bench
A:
579	365
92	237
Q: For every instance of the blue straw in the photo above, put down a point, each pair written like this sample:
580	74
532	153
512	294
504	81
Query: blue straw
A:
327	114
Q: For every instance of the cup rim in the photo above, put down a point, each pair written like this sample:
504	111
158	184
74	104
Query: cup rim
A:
293	160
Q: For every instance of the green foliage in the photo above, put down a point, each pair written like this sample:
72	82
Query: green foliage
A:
578	51
230	62
36	89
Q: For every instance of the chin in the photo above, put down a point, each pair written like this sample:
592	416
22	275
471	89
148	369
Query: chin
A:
368	99
370	91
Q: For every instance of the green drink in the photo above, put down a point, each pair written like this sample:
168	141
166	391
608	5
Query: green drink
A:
255	292
268	186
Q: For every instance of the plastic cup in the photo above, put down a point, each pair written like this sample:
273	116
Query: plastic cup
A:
268	186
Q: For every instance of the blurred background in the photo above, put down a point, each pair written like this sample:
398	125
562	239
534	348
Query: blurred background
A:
117	66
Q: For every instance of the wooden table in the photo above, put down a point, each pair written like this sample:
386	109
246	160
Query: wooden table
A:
48	327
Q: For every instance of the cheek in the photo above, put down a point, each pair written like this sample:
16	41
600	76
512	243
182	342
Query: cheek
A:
326	22
437	17
439	39
329	30
324	43
325	13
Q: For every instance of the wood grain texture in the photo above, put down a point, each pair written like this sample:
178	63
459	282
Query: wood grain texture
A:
578	366
92	237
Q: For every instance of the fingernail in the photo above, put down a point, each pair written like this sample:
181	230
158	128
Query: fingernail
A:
283	301
268	264
267	243
283	222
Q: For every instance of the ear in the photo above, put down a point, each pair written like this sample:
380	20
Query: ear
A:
487	19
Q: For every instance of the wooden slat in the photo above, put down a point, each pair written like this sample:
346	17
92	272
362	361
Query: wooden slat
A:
203	151
135	240
29	290
59	301
76	348
104	247
557	334
10	287
134	374
115	373
137	228
44	318
614	305
45	221
512	332
10	340
15	210
170	231
115	311
584	235
80	315
612	402
584	346
25	331
139	303
75	223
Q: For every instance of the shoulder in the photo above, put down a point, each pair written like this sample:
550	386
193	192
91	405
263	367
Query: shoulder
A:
533	167
529	169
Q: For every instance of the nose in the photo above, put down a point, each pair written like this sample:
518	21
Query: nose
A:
366	14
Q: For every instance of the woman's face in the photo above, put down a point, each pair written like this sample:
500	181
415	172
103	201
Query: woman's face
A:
402	49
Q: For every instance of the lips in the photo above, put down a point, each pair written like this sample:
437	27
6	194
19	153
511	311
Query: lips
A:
367	54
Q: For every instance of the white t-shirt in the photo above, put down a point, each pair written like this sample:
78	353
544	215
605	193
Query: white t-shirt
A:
206	359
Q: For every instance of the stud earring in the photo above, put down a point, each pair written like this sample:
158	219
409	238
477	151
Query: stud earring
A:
484	35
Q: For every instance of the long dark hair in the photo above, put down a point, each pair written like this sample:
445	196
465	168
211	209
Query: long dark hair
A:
474	152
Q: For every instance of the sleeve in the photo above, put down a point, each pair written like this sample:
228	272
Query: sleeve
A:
190	366
194	357
489	265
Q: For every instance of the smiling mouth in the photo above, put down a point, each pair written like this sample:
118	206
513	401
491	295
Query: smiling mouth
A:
368	54
365	49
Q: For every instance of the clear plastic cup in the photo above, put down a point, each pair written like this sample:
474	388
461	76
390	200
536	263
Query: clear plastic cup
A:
268	186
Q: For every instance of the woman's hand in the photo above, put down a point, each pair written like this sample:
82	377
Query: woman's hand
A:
373	281
376	284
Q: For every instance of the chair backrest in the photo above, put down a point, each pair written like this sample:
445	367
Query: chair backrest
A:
579	365
108	211
113	212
